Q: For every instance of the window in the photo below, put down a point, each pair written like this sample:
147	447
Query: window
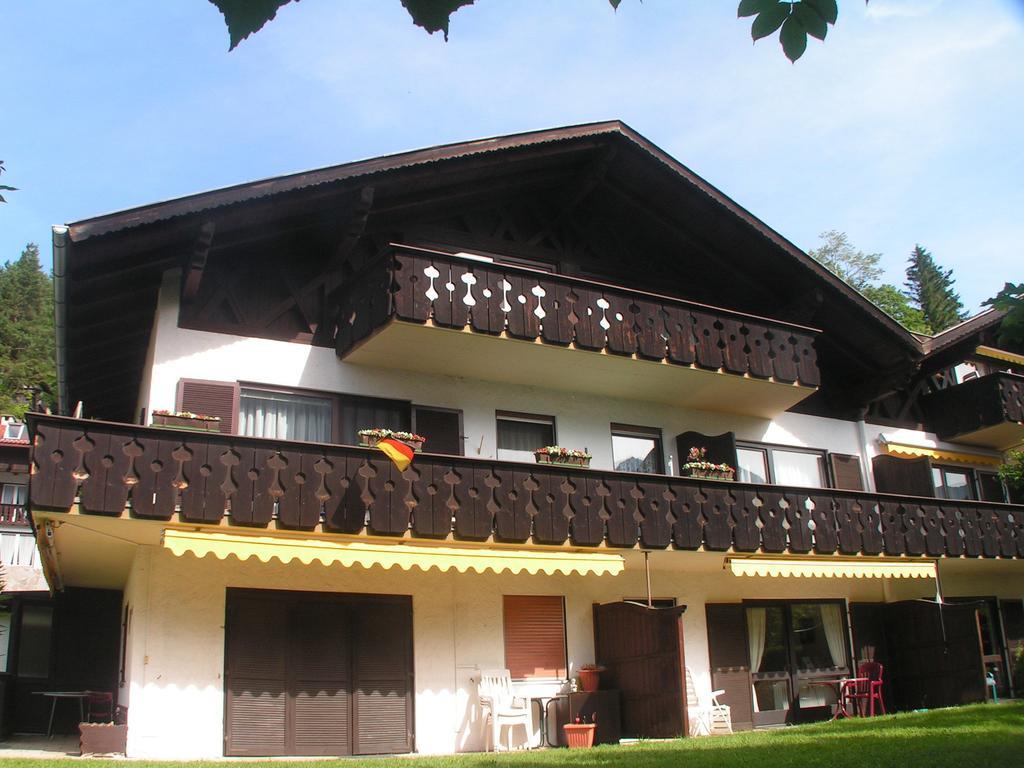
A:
13	430
637	449
535	636
34	641
520	434
442	427
14	494
285	416
802	467
991	487
953	483
316	417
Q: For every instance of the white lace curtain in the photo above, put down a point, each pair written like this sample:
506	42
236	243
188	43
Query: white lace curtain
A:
756	630
288	417
832	621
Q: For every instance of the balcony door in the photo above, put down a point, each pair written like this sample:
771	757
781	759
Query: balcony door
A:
794	647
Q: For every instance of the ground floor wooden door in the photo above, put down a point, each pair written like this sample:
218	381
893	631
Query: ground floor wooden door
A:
317	674
641	649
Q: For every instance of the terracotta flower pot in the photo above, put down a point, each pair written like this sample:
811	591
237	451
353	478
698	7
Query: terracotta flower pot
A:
579	735
590	680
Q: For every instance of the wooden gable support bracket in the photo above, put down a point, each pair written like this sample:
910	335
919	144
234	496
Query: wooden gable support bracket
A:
348	241
589	179
197	263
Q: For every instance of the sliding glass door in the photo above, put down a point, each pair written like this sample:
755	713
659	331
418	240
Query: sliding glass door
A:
795	647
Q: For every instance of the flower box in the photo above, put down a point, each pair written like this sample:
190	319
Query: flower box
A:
195	422
697	465
368	438
709	474
579	735
554	454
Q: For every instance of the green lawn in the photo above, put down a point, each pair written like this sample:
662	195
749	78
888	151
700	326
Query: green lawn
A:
978	736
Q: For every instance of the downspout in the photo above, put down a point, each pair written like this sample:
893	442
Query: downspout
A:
61	246
865	458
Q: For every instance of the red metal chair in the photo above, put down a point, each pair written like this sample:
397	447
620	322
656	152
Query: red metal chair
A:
100	707
864	690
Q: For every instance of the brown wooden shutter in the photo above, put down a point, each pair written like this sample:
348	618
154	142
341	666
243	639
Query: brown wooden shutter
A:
383	671
846	471
535	636
721	449
257	678
911	477
443	430
728	648
321	679
210	398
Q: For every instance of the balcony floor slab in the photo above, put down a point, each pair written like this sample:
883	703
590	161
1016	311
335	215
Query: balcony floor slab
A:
434	350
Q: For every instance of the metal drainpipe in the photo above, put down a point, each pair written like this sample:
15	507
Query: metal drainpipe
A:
862	437
61	246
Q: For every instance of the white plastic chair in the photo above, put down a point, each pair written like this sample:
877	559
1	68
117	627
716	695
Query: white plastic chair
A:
706	718
504	710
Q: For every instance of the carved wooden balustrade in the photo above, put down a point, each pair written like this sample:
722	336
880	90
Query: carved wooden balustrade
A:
452	292
989	401
152	474
13	514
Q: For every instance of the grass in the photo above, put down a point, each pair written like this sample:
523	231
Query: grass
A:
981	735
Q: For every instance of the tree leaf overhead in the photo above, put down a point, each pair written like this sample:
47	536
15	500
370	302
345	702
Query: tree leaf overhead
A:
434	15
244	17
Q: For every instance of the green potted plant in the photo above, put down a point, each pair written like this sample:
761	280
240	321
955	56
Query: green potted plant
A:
556	454
697	465
371	436
1012	473
195	422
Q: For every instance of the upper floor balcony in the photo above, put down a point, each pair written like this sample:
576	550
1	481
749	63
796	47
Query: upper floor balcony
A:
146	473
430	312
13	515
987	411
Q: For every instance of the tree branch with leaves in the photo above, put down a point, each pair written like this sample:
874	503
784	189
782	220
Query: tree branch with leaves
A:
794	20
5	187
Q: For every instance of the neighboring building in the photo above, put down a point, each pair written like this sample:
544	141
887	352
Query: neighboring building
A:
275	589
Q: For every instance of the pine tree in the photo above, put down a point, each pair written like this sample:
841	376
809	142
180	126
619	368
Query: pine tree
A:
27	359
931	289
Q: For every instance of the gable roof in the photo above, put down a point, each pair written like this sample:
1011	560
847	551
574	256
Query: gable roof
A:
126	251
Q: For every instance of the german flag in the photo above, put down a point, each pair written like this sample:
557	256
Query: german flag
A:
397	451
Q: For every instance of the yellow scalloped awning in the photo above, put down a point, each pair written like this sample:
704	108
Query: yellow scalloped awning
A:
999	354
916	451
832	568
365	553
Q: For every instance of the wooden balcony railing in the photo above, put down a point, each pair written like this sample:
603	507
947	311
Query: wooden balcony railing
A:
989	401
13	514
452	292
153	474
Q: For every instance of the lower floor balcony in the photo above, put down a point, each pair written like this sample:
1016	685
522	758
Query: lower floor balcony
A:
252	484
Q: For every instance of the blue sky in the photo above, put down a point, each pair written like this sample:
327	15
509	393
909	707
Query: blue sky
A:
904	127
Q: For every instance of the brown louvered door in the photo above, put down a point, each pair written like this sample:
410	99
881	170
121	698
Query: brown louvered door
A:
383	678
320	679
912	477
256	656
730	661
642	650
317	674
211	398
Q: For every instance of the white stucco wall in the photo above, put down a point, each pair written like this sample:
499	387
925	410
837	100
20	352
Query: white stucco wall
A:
175	687
582	421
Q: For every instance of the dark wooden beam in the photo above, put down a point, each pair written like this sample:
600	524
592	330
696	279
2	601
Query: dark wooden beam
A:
589	179
197	262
